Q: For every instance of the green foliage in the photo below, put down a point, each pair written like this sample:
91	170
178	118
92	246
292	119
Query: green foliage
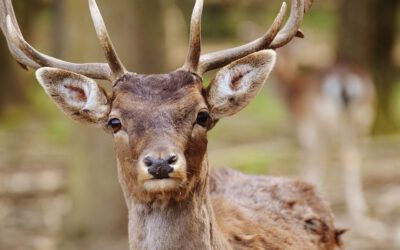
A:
396	103
324	20
257	122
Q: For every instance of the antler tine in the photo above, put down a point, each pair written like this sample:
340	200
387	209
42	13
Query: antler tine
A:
23	50
28	56
292	26
221	58
193	57
113	60
6	9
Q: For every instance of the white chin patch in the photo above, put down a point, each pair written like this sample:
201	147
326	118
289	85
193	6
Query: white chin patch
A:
163	185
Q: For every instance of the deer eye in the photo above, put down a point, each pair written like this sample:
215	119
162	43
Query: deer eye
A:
203	118
115	124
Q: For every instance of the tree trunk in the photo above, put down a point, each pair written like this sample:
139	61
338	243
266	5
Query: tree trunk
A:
148	36
12	91
366	37
58	29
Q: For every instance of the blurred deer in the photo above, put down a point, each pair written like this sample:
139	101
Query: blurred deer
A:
159	124
335	105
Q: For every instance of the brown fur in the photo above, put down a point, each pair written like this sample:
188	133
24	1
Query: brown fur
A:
271	213
150	100
250	212
191	210
299	89
331	107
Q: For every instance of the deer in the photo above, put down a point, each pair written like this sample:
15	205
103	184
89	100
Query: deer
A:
159	125
330	106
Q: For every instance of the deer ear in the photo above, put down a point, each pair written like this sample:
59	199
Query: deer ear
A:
78	96
238	83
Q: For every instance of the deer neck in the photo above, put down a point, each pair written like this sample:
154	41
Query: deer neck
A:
187	224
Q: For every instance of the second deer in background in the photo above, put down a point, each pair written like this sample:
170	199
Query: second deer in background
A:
328	107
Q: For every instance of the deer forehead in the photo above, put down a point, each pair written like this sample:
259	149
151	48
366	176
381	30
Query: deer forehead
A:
146	98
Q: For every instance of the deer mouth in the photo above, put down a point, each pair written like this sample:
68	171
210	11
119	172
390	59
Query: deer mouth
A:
162	185
162	176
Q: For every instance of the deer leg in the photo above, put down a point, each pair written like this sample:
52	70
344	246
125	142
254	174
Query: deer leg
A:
352	176
312	154
313	167
355	200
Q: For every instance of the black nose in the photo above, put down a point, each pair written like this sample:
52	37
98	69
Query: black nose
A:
160	168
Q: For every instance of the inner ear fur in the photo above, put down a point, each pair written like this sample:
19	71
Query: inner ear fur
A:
238	83
78	96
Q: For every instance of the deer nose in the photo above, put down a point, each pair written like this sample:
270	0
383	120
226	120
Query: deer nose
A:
160	168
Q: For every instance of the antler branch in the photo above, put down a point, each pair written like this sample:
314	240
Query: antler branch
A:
194	53
292	26
221	58
114	62
28	56
274	38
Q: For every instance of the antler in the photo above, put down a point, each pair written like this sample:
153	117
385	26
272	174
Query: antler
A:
28	56
192	60
273	39
111	55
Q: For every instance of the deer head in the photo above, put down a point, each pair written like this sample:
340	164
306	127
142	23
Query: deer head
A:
159	122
